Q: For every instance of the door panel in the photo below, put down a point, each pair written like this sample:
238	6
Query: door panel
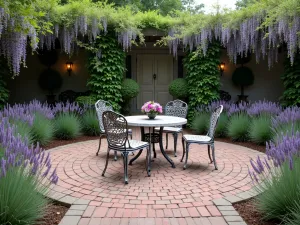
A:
150	88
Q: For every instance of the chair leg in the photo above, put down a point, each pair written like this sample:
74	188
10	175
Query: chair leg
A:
183	147
116	156
213	154
167	140
125	159
175	135
187	155
99	144
148	159
107	156
154	152
208	151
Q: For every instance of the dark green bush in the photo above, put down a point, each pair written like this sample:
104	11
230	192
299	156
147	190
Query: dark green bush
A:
178	88
21	198
221	129
42	129
67	126
130	89
86	100
238	127
90	123
260	130
200	123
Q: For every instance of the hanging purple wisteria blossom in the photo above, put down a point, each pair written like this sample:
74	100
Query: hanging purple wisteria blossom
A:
125	38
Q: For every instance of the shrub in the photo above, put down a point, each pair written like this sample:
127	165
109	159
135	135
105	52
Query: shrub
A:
221	129
201	122
238	127
260	130
130	89
21	198
90	123
86	100
67	126
179	88
42	129
23	129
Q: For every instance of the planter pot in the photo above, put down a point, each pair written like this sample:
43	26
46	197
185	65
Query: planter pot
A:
152	116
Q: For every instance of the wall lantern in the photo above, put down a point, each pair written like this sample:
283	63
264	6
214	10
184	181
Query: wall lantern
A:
69	67
222	67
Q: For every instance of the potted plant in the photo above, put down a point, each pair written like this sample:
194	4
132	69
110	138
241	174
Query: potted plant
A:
243	77
50	80
152	108
178	88
130	89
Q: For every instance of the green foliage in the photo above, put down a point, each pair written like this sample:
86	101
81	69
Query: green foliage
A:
284	129
67	126
23	129
221	129
178	88
238	127
42	129
260	130
90	123
2	152
106	74
130	89
203	77
86	100
200	122
21	198
4	92
291	82
280	193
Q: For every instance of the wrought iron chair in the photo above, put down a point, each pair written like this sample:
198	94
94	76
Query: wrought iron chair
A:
174	108
203	139
116	130
102	106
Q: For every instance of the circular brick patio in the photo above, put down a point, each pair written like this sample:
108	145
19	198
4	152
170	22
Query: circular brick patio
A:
169	192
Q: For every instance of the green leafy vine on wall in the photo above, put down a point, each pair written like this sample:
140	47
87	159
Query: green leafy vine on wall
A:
106	71
291	82
203	77
4	92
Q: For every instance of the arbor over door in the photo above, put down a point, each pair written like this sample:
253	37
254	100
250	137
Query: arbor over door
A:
154	74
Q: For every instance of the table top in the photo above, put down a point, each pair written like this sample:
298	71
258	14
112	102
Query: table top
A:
159	121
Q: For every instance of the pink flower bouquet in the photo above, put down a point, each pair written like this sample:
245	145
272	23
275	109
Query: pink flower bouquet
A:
152	109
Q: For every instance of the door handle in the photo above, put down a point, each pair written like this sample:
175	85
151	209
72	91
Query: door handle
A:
154	76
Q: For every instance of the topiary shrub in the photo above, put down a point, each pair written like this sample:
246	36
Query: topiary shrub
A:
50	80
130	89
178	88
221	129
90	123
242	77
260	130
238	127
67	126
200	123
42	129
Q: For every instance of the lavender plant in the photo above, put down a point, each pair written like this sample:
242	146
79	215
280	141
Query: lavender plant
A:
262	108
238	127
67	126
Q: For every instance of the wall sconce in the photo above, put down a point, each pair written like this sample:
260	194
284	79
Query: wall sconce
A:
69	67
222	67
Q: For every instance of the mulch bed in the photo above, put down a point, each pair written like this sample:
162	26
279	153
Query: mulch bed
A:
250	214
55	143
260	148
54	214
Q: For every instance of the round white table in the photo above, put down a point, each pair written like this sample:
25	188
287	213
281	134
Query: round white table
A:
160	121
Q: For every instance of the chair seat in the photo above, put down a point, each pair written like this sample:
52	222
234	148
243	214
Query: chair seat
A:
170	129
135	144
196	138
129	131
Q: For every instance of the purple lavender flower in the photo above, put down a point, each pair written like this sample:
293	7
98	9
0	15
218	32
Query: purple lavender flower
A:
264	107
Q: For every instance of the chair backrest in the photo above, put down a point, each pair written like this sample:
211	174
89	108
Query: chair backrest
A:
214	121
102	106
115	126
176	108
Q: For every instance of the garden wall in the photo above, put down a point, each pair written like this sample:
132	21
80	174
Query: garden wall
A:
267	84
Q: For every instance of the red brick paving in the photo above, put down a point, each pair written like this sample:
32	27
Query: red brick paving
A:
168	193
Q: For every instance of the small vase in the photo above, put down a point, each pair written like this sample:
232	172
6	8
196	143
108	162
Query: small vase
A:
151	116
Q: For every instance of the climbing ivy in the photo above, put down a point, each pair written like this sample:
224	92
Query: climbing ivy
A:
4	92
203	77
291	82
106	68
